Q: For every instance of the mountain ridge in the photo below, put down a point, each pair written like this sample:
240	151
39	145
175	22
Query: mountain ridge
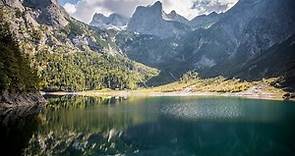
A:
233	38
150	20
113	21
212	45
205	21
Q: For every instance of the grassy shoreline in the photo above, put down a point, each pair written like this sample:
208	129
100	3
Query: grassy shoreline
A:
127	94
218	86
250	93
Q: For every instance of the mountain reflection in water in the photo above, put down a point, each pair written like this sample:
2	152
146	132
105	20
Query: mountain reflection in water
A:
73	125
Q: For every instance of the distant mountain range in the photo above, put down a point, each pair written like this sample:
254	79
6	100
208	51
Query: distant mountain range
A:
214	44
153	20
252	40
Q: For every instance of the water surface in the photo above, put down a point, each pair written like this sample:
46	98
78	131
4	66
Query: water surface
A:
164	126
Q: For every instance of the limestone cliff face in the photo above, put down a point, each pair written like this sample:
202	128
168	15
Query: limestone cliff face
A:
173	16
205	21
244	33
13	3
44	11
114	21
152	20
216	44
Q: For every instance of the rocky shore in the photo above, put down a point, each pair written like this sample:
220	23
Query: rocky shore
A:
12	100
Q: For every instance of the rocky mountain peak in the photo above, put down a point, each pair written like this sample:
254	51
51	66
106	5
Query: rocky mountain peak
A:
173	13
153	20
114	21
98	15
173	16
155	10
205	21
114	15
213	13
39	3
46	12
157	5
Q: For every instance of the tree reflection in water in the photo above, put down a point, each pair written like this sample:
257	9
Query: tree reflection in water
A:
17	126
73	125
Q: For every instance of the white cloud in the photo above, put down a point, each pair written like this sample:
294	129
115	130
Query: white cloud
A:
84	9
182	7
193	8
70	8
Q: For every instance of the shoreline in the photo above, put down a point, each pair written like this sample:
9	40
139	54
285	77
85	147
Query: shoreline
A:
19	100
126	94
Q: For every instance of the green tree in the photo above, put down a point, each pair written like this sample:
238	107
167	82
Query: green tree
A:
15	71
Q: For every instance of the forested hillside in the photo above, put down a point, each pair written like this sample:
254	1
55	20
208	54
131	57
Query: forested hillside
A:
67	54
89	71
16	75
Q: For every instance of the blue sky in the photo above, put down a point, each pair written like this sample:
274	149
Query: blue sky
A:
84	9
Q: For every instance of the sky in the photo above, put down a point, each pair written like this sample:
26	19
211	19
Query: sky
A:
84	9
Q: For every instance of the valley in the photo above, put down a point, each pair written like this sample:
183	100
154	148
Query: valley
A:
129	77
120	53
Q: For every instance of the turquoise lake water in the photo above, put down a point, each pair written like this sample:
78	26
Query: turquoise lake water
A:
208	126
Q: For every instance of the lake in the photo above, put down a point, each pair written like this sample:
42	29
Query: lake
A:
206	126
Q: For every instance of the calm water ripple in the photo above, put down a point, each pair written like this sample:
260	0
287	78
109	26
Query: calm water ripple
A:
155	126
